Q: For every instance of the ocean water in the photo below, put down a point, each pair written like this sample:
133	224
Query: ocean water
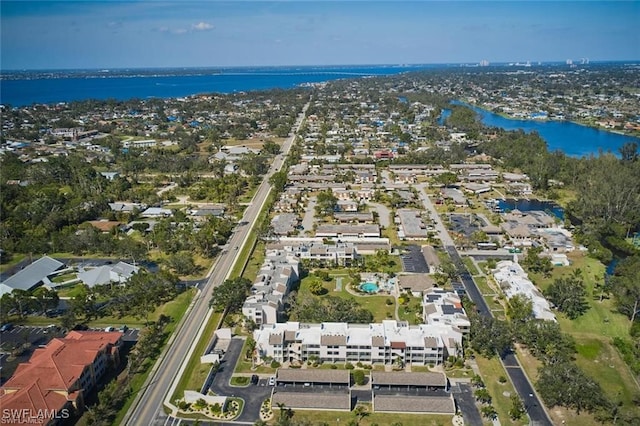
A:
26	88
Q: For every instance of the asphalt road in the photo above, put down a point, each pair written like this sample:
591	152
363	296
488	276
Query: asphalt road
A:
147	409
253	395
534	407
463	394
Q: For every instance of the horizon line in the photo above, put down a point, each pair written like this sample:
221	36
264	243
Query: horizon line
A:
394	65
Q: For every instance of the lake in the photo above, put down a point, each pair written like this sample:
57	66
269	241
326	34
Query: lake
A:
573	139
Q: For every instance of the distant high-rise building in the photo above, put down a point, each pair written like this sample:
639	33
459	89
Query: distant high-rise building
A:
484	63
569	62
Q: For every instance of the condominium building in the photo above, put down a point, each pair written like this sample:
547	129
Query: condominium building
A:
444	307
378	343
51	386
274	280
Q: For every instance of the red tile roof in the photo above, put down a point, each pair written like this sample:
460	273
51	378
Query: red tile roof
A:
32	404
53	371
60	364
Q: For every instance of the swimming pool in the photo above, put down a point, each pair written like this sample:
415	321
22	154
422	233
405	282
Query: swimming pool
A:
369	287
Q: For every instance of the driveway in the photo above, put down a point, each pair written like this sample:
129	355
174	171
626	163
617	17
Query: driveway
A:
383	214
253	395
463	394
308	220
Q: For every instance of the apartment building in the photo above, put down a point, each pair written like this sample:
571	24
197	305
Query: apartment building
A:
273	282
376	343
444	307
58	376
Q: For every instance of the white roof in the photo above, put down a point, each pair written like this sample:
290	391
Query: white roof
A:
31	275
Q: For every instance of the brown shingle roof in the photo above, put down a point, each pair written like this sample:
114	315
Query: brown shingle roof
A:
404	404
327	401
377	341
403	378
276	339
328	340
313	376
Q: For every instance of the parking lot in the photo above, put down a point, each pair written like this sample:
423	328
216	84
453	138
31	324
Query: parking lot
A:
413	260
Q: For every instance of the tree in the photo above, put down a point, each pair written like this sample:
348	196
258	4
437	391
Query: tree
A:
482	395
489	412
625	287
358	377
326	203
230	294
447	179
315	287
569	294
517	408
520	309
45	298
564	384
490	336
535	263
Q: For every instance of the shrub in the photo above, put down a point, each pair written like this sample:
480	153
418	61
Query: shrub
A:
502	379
333	367
358	377
349	366
275	364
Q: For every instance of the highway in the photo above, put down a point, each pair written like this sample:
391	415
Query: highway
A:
533	406
147	409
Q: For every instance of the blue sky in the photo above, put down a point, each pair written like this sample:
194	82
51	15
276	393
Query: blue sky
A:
148	33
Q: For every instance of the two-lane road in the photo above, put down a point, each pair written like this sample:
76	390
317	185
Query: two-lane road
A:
534	407
148	408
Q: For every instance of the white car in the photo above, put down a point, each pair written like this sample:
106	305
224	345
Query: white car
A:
272	381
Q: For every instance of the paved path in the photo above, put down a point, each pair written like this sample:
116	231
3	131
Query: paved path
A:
383	214
309	215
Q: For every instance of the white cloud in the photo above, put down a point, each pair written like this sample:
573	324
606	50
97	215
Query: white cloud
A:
202	26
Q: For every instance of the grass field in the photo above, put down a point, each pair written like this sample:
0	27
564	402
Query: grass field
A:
592	333
343	418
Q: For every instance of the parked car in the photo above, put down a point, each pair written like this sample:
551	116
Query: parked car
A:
272	381
254	379
6	327
110	329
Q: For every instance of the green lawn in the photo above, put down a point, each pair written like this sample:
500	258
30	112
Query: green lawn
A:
601	361
377	305
196	373
255	261
175	309
71	291
491	370
343	418
592	333
15	259
601	318
471	267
